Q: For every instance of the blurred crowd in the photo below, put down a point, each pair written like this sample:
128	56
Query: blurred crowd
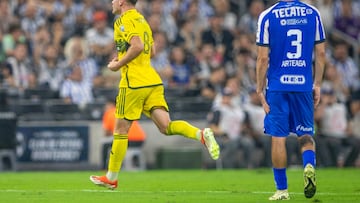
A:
209	45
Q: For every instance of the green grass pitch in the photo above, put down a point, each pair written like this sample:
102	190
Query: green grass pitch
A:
175	186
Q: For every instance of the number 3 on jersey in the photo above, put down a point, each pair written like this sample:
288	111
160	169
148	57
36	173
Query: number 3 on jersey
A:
295	43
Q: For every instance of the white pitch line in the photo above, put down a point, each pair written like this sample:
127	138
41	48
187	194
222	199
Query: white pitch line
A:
169	191
115	191
317	193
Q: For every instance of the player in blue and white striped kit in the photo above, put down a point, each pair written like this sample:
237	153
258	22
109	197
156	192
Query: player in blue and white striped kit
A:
289	34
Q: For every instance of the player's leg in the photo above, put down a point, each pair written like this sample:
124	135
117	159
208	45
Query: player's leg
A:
277	124
118	148
307	145
117	154
157	109
128	107
279	161
162	120
302	123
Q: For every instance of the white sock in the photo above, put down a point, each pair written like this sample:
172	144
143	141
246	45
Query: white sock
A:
198	135
112	176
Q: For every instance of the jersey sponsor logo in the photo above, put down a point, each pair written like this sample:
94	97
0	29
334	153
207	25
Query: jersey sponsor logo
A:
121	46
293	63
295	11
303	128
292	79
294	21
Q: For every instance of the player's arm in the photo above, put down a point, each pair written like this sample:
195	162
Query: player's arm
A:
135	48
153	51
262	63
319	70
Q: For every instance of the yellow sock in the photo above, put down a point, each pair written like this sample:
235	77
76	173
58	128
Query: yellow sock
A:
183	128
117	154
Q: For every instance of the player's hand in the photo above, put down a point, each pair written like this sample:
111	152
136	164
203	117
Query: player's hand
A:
113	65
265	105
316	95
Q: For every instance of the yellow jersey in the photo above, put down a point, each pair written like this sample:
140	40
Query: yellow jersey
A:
138	72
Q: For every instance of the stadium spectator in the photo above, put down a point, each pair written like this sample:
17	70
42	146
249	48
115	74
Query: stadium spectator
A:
348	20
87	9
110	79
167	22
6	16
334	79
202	8
333	137
346	66
228	122
238	96
213	85
100	39
186	37
245	70
248	21
154	20
68	12
41	39
51	68
57	30
22	68
183	77
196	12
31	20
255	127
74	90
6	76
207	61
2	53
219	36
355	113
160	61
11	38
326	8
354	127
76	52
222	7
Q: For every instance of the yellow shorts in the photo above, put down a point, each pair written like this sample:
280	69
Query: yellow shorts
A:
130	103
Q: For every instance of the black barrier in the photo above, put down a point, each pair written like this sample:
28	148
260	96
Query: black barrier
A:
53	144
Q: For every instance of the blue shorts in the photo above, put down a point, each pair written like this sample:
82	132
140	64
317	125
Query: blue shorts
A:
290	112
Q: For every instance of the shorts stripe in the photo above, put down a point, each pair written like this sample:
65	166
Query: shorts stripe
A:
120	104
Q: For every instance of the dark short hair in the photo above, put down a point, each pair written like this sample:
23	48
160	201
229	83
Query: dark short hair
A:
133	2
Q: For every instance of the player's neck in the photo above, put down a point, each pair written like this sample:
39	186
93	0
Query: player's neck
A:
126	8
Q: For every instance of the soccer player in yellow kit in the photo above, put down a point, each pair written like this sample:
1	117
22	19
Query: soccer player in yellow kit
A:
140	90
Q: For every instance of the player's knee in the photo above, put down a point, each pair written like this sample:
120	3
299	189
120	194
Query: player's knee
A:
163	128
306	140
163	131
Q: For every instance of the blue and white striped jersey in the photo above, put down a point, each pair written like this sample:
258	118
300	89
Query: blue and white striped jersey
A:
290	29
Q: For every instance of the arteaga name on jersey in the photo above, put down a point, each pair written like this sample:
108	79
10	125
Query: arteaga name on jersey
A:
293	63
296	11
